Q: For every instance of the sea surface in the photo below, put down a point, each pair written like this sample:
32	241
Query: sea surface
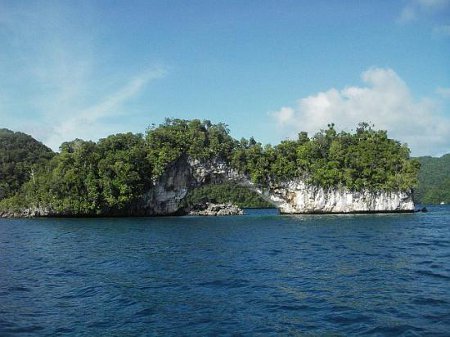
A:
260	274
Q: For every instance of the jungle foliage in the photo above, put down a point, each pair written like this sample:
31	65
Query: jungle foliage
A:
93	178
110	175
434	180
20	156
224	193
197	139
366	159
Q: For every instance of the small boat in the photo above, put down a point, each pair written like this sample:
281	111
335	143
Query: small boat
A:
442	203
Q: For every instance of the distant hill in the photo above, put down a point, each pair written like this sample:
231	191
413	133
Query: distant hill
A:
434	180
19	153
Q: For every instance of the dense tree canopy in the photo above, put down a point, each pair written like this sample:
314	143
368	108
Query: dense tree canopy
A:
93	178
224	193
176	137
364	159
110	175
434	180
20	155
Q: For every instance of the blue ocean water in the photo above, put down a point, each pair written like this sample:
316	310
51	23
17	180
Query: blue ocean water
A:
260	274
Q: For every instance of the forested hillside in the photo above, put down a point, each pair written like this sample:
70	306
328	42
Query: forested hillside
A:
20	157
108	176
434	180
226	192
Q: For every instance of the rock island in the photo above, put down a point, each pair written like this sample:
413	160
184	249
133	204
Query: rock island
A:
154	174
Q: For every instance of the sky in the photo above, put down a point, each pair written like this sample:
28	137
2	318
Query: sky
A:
267	69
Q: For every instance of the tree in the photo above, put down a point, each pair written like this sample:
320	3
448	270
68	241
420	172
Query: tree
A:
20	157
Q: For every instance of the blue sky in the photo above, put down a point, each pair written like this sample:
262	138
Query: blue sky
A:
268	69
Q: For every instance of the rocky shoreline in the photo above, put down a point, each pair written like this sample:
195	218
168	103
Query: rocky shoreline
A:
211	209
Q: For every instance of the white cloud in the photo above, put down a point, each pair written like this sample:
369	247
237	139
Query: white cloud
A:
87	123
415	8
385	100
432	4
443	92
58	83
437	10
407	14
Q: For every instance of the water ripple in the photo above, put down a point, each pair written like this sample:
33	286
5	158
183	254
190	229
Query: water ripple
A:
380	275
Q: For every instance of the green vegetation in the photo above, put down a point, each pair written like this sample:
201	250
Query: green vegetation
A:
366	159
197	139
111	175
88	178
20	156
108	177
434	180
224	193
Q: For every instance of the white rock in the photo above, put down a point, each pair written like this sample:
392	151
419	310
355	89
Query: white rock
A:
289	197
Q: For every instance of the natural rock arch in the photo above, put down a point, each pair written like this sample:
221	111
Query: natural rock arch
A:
291	197
180	178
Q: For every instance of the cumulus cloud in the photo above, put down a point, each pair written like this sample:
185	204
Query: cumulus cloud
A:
385	101
443	92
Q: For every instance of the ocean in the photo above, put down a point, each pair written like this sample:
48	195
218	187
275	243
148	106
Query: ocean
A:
260	274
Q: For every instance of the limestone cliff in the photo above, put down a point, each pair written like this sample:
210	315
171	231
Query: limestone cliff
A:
298	197
292	197
170	189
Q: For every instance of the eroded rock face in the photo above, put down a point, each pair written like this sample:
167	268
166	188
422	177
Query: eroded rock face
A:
169	191
298	197
172	187
292	197
210	209
28	213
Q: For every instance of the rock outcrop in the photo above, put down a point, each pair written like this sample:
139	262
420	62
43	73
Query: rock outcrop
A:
298	197
28	213
292	197
166	197
211	209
